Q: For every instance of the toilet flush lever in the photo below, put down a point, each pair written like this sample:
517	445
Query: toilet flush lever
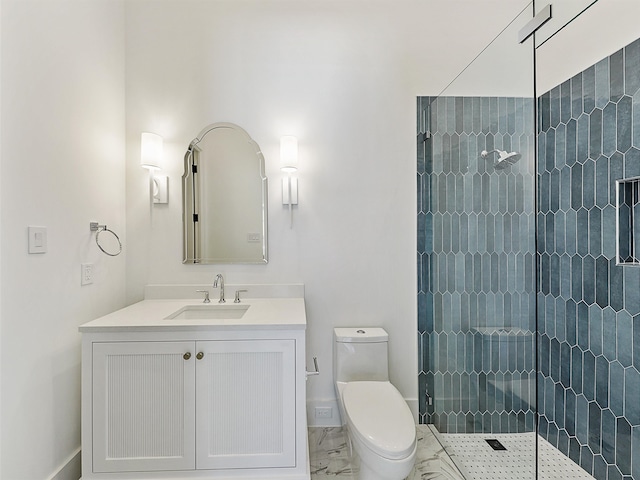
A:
316	371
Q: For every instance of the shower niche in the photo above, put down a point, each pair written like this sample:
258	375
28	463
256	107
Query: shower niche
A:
628	221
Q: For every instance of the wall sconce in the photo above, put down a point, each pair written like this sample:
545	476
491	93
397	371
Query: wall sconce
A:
151	151
289	164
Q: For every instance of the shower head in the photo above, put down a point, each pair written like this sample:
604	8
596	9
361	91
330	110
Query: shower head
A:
504	159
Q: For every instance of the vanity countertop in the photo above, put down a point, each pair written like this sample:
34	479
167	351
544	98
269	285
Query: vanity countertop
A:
151	315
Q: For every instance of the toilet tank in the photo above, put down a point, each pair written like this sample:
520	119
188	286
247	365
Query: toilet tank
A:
360	354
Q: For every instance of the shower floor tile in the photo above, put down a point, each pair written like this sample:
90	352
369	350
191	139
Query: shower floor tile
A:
478	461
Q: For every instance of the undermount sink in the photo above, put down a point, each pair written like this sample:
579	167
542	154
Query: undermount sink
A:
209	312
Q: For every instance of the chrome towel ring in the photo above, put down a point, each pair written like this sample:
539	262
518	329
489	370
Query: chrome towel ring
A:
95	227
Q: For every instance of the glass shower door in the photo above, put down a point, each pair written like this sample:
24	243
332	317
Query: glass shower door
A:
477	257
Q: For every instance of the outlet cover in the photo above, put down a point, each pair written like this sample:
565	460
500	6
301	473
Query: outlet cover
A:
324	412
86	273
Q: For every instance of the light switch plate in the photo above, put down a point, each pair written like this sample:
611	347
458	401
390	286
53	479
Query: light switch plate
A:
37	239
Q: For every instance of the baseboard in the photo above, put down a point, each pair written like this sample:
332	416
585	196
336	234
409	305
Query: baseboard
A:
71	469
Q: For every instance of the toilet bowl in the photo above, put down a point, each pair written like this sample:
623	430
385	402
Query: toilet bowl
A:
379	423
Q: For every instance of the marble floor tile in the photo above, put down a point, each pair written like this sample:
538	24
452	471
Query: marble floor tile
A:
432	461
329	454
330	457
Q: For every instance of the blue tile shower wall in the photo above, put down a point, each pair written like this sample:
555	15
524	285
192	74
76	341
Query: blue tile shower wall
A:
589	307
476	265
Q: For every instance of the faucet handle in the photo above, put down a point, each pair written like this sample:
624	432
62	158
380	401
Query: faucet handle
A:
206	295
237	299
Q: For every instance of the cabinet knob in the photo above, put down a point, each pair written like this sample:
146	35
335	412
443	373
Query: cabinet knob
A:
187	356
199	355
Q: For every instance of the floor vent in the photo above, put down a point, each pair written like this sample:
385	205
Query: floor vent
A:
495	444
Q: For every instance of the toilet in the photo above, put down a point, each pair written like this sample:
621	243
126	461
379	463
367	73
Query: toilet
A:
380	426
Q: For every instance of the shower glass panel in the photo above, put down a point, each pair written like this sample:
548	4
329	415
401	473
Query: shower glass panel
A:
477	261
563	12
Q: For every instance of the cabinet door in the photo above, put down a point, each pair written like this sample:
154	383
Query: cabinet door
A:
245	402
143	406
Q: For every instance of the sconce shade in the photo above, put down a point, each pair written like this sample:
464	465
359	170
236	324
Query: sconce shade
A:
151	151
288	153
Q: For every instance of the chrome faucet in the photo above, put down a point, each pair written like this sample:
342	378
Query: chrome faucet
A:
215	285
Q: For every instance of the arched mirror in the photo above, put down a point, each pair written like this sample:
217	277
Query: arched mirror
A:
224	198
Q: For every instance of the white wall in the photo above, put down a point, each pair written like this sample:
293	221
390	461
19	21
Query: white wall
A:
503	68
343	77
603	29
62	166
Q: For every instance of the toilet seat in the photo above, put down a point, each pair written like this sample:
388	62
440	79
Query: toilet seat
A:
380	418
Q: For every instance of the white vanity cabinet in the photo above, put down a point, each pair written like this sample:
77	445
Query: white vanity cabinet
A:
143	406
245	397
194	403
